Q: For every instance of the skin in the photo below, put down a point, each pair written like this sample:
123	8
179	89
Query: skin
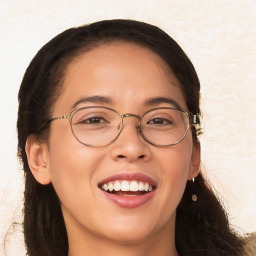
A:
129	75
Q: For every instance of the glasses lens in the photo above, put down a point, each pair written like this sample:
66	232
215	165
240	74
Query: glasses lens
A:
164	126
96	126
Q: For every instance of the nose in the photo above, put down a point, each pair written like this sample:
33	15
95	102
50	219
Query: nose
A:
130	146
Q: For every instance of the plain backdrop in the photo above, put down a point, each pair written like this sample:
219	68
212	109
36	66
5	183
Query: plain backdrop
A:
218	36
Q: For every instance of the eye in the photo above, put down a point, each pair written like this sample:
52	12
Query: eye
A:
94	120
159	121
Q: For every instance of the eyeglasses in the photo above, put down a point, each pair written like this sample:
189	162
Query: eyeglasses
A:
100	126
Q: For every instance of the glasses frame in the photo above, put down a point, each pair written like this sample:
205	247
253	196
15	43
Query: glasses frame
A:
193	120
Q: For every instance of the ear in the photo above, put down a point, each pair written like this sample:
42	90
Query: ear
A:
195	161
38	159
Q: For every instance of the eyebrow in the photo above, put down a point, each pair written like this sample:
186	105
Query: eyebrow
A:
107	100
93	99
159	100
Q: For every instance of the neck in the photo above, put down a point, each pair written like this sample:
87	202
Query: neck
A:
112	248
161	244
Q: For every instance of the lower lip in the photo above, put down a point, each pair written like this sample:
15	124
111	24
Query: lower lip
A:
129	201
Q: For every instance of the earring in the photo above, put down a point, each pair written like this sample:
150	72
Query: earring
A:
194	196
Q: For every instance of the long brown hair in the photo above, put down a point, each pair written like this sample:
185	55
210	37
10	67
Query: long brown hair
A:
202	227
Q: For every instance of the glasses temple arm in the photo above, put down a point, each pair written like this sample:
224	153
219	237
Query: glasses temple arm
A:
59	117
194	119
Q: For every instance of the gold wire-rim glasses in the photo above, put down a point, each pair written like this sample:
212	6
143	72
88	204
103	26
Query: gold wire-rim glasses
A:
192	120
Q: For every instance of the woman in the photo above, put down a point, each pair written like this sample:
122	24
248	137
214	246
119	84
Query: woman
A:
108	129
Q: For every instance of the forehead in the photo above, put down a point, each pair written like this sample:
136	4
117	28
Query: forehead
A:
125	52
126	72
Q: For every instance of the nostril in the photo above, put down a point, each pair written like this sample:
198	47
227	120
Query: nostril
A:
122	156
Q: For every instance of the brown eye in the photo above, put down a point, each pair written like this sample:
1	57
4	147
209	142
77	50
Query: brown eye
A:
94	120
159	121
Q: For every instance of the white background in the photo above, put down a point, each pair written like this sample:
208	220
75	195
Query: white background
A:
218	36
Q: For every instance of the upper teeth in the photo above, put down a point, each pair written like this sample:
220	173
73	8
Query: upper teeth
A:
126	185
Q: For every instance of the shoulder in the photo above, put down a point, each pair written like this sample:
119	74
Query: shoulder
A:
250	245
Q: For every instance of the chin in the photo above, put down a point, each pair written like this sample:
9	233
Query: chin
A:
132	231
130	237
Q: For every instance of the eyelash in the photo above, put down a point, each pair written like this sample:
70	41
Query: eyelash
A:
85	121
161	119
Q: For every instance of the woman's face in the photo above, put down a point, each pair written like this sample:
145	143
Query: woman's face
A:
124	77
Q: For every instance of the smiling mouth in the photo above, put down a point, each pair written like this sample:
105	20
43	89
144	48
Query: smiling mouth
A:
127	187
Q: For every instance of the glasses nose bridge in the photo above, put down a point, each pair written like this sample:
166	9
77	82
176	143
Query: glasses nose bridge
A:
132	115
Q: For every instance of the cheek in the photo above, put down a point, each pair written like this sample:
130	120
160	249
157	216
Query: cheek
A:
175	167
176	160
71	165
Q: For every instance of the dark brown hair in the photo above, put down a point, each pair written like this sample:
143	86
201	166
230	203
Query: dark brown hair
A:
202	227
